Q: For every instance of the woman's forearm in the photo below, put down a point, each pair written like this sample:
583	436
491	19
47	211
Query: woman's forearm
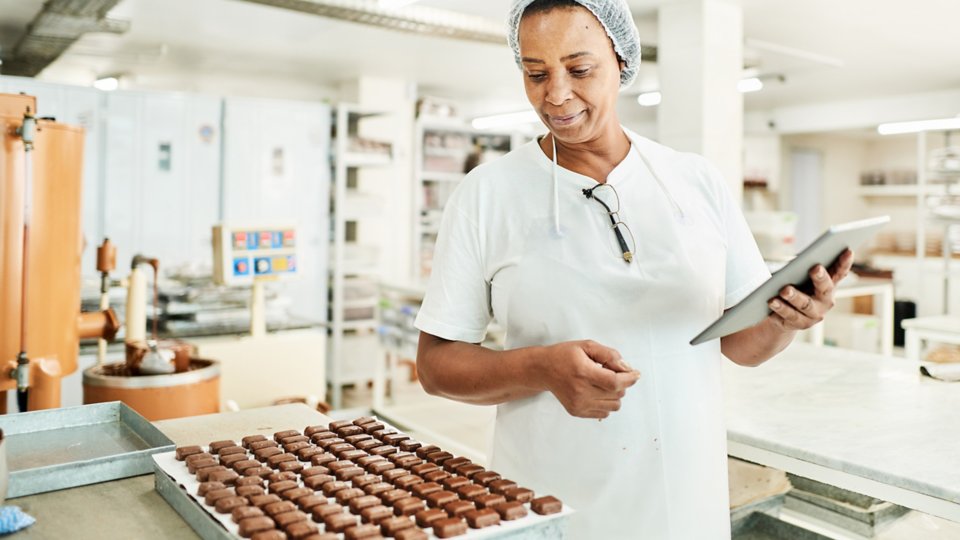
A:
757	344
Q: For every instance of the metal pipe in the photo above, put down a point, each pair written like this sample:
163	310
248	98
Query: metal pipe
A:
27	131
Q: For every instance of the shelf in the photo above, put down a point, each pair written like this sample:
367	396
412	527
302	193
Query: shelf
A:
440	151
363	324
366	160
429	176
901	190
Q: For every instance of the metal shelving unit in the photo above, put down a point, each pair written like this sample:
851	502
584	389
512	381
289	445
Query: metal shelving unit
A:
945	183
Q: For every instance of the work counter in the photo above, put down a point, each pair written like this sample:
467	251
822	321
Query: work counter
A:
862	422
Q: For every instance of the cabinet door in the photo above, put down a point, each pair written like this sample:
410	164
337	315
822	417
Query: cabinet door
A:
82	107
276	172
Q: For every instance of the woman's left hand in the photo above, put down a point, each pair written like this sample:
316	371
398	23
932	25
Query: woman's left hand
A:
794	310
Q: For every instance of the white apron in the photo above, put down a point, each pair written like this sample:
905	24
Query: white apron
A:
657	468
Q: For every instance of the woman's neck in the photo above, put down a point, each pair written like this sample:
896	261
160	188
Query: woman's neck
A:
594	158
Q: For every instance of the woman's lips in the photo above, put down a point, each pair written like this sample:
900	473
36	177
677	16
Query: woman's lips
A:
561	121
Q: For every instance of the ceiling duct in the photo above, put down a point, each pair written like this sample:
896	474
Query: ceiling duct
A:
55	28
421	20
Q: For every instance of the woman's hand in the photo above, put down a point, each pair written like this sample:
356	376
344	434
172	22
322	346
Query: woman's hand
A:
587	378
794	310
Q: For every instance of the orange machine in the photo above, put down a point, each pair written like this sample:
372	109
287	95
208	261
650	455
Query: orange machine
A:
51	308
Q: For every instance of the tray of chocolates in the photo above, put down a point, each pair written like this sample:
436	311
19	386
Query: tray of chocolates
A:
351	479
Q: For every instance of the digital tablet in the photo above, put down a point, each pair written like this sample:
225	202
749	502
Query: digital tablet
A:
824	250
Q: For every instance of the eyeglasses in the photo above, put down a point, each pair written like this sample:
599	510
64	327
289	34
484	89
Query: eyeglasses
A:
607	196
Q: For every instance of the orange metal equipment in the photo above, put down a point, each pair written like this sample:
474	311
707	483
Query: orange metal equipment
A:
54	252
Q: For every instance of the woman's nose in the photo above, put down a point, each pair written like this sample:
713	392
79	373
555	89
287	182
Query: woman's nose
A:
558	90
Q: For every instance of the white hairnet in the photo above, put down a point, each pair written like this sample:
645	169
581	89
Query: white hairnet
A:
616	19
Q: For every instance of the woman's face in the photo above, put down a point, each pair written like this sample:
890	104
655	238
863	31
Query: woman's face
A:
570	72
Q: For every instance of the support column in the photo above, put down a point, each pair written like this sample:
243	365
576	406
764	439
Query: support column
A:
700	57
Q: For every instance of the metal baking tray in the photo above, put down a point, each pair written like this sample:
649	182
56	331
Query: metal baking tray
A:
63	448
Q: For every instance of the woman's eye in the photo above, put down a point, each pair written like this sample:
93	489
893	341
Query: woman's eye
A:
536	77
580	72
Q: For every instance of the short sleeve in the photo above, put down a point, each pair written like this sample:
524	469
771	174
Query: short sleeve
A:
456	306
745	267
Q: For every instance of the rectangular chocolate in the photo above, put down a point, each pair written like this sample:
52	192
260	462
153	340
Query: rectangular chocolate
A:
306	454
471	491
391	526
394	438
310	431
229	504
439	457
449	527
322	459
364	480
193	458
365	501
377	488
249	491
203	474
317	482
394	495
262	500
295	493
330	488
245	464
253	525
347	431
183	451
407	506
250	439
321	436
408	461
546	505
290	466
344	495
393	474
409	445
436	476
381	433
348	473
293	439
217	445
501	486
510	511
364	420
426	488
351	454
280	487
423	451
454	482
370	428
200	464
361	532
327	443
288	518
275	461
354	439
303	530
411	534
337	448
375	514
264	453
520	494
230	450
313	471
294	447
489	500
260	445
261	472
308	503
212	496
407	482
280	435
438	499
271	534
425	518
250	481
206	487
423	468
367	444
228	461
282	476
364	461
384	450
459	508
334	426
321	512
451	464
380	467
339	523
280	507
479	519
485	477
245	512
469	470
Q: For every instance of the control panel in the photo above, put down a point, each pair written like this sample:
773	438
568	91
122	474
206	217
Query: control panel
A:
242	254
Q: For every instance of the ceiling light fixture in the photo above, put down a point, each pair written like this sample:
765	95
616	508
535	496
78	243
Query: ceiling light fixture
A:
753	84
107	84
897	128
649	99
499	121
749	84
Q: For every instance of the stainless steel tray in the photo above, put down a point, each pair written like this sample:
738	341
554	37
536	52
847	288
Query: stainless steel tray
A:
64	448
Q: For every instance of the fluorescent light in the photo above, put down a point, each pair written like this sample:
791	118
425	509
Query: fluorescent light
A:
753	84
107	84
649	99
505	120
942	124
393	4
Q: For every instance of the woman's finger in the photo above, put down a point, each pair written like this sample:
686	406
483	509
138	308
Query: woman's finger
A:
792	318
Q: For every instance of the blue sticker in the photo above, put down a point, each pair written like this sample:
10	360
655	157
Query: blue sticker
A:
252	239
241	266
277	240
261	266
291	263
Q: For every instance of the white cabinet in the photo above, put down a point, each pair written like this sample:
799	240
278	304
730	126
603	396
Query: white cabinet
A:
276	165
161	175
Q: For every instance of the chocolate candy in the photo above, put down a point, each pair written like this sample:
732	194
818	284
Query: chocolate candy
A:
479	519
280	507
245	464
384	450
232	459
510	511
347	431
316	482
470	470
459	508
438	499
276	460
381	433
451	464
243	512
490	500
436	476
203	474
546	505
249	491
260	472
523	495
226	477
365	461
423	451
367	444
265	453
281	476
393	474
471	491
501	486
366	501
394	495
408	461
375	514
485	477
290	466
295	447
339	522
439	457
308	503
216	446
454	482
207	487
200	464
426	488
344	495
253	525
377	488
229	504
261	501
330	488
409	445
364	420
449	527
304	530
310	431
250	439
380	467
293	439
288	518
394	438
369	429
271	534
348	473
313	471
306	454
407	506
354	439
425	518
337	465
215	495
280	435
260	445
411	534
339	448
351	454
249	481
296	493
407	482
322	459
183	451
322	435
362	531
320	513
231	450
424	468
391	526
278	487
334	426
192	458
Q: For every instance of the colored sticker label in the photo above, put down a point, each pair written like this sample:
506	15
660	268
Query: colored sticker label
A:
277	240
280	264
289	238
252	240
241	266
266	239
239	240
291	263
262	266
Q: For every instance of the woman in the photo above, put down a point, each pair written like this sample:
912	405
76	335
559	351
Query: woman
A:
598	317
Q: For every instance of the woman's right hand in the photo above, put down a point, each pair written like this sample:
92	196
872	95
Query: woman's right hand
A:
588	378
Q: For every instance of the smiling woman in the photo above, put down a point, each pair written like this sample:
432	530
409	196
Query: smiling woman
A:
592	293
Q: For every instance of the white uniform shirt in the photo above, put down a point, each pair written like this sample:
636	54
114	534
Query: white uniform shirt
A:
656	468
